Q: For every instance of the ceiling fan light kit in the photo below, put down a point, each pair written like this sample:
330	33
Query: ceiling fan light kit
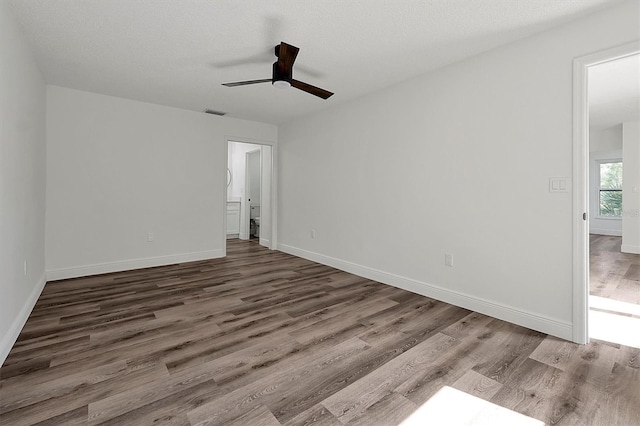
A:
282	84
282	76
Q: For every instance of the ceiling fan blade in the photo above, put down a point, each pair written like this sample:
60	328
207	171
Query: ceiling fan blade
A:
286	57
321	93
246	83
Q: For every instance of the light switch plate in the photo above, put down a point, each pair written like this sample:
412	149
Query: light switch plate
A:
558	184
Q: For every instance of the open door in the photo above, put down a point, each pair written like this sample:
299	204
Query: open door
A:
253	191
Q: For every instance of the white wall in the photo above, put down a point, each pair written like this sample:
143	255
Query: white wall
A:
604	144
631	188
456	161
118	169
22	181
609	139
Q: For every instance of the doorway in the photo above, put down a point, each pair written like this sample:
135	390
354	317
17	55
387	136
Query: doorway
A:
606	199
249	194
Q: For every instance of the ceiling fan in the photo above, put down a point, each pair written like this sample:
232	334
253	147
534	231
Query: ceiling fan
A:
283	73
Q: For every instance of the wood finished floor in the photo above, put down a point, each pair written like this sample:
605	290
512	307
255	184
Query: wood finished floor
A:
265	338
613	274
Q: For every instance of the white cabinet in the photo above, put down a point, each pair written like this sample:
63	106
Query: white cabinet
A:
233	219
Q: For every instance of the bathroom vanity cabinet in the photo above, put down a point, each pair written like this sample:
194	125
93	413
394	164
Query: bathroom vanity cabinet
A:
233	219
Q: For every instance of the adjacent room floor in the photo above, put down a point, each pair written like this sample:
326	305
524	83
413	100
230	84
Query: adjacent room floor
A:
264	338
614	300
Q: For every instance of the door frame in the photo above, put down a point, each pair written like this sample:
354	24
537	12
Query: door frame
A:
581	182
273	243
247	189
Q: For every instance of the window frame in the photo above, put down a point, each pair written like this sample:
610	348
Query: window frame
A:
599	188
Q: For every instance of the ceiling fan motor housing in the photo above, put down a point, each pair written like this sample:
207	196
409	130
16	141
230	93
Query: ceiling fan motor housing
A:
281	75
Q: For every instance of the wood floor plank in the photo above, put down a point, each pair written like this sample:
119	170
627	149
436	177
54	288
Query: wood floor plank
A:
198	351
622	394
247	363
136	344
530	389
62	347
275	389
170	410
265	338
613	274
317	415
259	416
478	385
468	325
478	349
520	346
353	400
75	417
391	409
329	326
63	395
136	397
581	390
554	352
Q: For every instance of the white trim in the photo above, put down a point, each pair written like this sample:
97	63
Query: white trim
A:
126	265
9	339
530	320
225	197
580	333
264	242
626	248
609	232
580	182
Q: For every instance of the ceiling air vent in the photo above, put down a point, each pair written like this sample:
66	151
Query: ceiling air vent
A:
214	112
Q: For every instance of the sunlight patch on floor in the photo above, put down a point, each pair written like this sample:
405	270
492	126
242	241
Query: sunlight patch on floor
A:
614	328
614	305
450	407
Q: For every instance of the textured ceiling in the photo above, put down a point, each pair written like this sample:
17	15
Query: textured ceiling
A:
178	53
614	92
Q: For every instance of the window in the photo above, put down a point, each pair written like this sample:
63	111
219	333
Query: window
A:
610	189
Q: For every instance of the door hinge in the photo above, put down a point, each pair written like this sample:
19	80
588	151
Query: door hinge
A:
584	216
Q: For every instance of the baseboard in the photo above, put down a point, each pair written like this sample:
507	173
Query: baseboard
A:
126	265
628	248
265	242
9	339
513	315
608	232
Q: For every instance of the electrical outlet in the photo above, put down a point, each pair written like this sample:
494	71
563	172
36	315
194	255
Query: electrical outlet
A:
448	259
149	237
313	233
